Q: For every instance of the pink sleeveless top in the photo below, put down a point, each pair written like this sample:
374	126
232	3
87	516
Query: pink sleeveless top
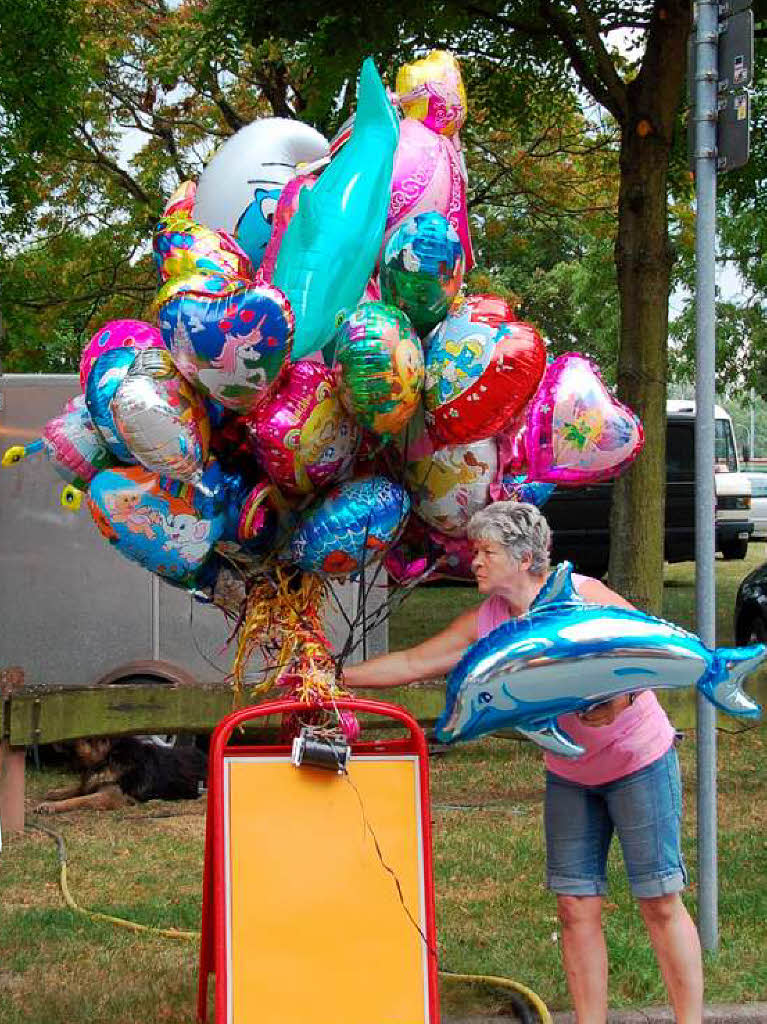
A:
638	736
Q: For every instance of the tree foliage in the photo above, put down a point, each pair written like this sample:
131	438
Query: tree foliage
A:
546	223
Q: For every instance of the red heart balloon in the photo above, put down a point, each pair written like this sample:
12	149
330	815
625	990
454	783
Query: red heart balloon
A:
482	366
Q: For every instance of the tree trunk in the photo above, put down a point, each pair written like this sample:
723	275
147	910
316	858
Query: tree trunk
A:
643	260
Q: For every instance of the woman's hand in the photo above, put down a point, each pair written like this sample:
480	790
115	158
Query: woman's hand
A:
605	712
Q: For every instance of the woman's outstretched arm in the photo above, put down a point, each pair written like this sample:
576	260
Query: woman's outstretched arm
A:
434	657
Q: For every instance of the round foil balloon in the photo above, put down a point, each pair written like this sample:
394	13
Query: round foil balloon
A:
74	445
182	246
107	374
302	435
231	349
422	269
161	419
350	527
380	363
133	334
481	370
286	207
431	90
447	485
428	176
239	188
577	432
160	531
457	557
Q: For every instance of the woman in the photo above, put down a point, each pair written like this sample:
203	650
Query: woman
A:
626	781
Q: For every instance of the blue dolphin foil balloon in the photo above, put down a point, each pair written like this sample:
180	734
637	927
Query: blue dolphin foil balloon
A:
565	655
332	243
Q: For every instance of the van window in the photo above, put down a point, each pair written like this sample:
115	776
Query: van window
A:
725	459
680	451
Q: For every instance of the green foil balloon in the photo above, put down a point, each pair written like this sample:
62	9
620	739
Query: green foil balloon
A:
332	243
422	269
381	367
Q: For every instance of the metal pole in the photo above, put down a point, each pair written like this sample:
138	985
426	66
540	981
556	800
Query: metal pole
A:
752	433
706	39
154	607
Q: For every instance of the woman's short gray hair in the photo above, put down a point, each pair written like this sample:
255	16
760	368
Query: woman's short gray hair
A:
519	527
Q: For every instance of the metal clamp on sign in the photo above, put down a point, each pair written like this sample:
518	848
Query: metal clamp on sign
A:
320	750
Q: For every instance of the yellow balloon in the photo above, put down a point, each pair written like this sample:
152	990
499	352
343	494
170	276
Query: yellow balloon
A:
71	498
431	90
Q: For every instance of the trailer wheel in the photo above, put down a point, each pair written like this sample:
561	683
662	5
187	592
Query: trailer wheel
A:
737	548
172	739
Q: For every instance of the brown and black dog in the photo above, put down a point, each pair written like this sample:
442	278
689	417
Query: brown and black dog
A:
115	772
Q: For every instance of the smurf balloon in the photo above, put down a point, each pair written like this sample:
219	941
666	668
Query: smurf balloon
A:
239	188
482	367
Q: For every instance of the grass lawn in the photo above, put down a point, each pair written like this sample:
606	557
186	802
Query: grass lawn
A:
494	915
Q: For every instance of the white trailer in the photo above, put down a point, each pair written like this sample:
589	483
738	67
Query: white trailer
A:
73	611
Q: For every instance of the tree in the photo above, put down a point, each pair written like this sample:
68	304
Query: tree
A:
518	51
77	212
183	76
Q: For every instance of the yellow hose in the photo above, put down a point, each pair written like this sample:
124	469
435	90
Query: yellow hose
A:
134	926
532	998
515	986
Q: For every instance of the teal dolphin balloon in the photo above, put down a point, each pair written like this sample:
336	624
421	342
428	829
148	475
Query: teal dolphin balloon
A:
332	243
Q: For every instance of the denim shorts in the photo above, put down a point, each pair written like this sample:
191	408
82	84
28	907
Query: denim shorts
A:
644	808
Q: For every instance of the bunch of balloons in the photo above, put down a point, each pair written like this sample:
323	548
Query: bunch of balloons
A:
315	388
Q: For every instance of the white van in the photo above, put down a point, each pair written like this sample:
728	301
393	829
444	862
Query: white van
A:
732	488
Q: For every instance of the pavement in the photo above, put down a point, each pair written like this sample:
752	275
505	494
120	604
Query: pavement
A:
722	1013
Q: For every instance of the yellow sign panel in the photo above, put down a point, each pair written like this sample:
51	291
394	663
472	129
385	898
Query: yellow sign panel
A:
325	893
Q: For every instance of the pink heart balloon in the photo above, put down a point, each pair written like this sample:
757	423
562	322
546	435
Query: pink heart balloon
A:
302	435
577	432
428	177
117	334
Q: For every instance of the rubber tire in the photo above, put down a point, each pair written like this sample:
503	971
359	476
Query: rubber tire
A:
753	630
733	549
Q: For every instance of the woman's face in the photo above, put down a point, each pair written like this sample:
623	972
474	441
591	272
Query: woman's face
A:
494	568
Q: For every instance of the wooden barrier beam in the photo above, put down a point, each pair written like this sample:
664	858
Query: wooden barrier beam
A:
45	715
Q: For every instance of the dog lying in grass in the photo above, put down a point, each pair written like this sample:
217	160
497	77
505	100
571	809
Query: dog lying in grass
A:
125	770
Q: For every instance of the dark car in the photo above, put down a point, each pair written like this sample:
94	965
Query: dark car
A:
751	608
580	517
